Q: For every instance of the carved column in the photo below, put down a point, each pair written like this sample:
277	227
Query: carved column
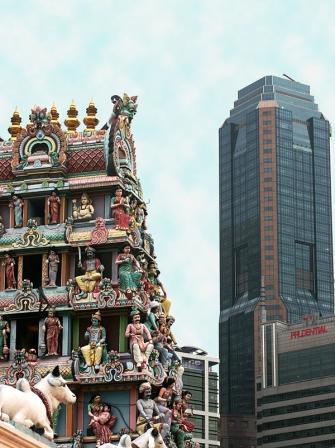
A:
2	275
11	217
65	268
41	338
12	339
66	332
45	270
25	212
107	204
62	216
46	211
115	270
19	271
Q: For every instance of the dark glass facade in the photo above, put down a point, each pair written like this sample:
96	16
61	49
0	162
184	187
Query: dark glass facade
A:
275	224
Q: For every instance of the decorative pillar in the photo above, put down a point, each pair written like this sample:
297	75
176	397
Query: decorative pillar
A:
12	339
65	268
11	217
45	270
123	342
25	212
2	275
107	203
72	267
75	333
69	421
19	271
46	211
132	408
115	270
80	414
62	216
41	338
66	332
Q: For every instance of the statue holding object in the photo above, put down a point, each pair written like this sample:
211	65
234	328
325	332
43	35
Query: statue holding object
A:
53	208
95	351
53	264
9	265
92	268
138	332
120	210
51	328
4	332
16	203
85	210
130	279
148	411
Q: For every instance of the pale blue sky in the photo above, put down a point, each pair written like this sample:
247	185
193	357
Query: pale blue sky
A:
185	59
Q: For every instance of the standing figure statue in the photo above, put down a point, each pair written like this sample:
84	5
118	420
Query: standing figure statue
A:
148	412
138	332
53	208
51	328
130	279
95	351
120	210
92	267
53	264
4	331
2	227
9	264
157	290
85	210
16	204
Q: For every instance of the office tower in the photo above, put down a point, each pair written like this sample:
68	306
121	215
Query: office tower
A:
275	226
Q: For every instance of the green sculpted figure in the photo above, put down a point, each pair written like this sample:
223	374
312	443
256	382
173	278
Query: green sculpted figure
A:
130	272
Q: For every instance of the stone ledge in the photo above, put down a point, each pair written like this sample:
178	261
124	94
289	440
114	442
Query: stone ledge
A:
14	435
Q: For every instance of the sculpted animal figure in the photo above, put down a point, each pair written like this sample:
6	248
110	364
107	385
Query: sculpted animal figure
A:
34	406
150	439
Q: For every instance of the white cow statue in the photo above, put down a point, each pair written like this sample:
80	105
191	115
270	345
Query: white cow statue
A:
34	406
150	439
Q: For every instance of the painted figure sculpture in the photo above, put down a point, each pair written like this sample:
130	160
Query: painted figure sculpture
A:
101	421
53	264
138	333
95	350
52	328
9	265
53	208
4	332
92	268
16	204
83	211
120	210
130	278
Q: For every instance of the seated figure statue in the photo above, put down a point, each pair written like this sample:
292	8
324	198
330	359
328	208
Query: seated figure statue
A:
95	351
83	211
92	268
148	412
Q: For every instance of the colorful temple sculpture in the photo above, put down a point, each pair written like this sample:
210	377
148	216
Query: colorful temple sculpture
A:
80	292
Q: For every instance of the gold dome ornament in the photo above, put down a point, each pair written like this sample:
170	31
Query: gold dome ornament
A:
72	121
91	120
15	128
54	115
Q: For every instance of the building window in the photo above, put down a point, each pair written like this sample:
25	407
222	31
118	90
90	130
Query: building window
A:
267	150
241	270
304	266
267	179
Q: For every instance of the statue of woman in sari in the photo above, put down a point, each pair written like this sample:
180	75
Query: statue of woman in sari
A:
130	278
53	208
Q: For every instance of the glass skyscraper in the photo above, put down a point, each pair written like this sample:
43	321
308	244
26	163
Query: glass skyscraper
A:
275	230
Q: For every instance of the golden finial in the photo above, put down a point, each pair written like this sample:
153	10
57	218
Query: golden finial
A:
90	120
72	121
15	128
54	115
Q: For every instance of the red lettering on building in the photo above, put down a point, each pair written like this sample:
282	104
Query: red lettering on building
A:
321	329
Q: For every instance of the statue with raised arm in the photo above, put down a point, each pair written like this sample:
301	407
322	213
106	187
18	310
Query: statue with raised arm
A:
95	351
92	268
148	412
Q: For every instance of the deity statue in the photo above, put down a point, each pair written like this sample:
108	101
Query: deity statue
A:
16	203
9	264
178	429
151	321
130	279
165	398
85	210
156	289
4	331
2	227
138	332
95	350
120	209
51	328
148	411
53	264
168	341
53	208
92	268
101	421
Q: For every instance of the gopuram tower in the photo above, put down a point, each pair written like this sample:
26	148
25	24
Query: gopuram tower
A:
80	293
